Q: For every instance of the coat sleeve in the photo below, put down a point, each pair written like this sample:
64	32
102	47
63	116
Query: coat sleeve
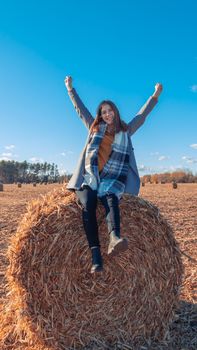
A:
140	117
82	111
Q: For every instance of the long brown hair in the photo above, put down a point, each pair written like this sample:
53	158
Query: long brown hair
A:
120	125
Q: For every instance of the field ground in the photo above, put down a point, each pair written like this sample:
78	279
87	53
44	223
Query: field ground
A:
179	206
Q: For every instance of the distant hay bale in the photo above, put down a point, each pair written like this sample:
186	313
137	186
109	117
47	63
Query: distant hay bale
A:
56	303
19	184
1	187
34	184
143	184
174	184
163	182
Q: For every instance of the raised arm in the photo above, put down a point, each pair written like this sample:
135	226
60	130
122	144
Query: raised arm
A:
82	111
140	117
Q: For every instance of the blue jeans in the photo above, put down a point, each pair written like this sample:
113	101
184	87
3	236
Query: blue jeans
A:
88	199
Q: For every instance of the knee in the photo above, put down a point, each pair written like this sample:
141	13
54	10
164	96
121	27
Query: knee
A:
112	200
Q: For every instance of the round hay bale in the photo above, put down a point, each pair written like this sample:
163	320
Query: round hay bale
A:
1	186
34	184
19	184
174	184
55	302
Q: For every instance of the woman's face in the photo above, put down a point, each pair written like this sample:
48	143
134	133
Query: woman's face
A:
107	114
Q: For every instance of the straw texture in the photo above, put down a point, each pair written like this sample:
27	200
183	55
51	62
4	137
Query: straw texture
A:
54	301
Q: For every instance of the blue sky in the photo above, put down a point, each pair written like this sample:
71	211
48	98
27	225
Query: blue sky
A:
113	50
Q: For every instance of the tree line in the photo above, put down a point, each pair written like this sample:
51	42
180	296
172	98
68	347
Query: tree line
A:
24	172
176	176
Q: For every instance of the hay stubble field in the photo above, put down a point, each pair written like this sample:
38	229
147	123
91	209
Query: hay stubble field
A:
179	206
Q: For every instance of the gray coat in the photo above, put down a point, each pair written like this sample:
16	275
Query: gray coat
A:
133	179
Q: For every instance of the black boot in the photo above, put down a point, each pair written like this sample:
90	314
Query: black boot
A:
116	244
97	263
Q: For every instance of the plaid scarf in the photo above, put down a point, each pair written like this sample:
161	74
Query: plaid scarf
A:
113	176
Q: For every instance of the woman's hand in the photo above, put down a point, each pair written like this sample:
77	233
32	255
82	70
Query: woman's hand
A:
158	90
68	83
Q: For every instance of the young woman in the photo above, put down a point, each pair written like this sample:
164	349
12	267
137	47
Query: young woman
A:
106	169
